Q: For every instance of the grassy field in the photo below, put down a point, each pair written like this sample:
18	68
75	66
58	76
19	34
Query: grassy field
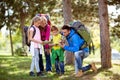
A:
17	68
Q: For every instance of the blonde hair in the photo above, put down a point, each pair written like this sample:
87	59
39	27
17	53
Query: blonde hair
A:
43	19
35	19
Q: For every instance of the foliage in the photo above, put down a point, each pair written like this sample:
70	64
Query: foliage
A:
115	31
3	41
11	10
20	51
113	2
2	44
95	33
17	36
85	11
8	14
115	43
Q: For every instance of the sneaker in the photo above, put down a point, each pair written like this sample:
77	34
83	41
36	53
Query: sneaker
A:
57	74
79	74
49	72
40	74
93	67
31	74
62	73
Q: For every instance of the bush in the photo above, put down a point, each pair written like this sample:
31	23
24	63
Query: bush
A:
20	52
115	43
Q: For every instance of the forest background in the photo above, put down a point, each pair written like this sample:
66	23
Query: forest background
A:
18	13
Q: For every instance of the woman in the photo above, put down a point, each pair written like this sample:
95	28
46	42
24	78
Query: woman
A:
45	35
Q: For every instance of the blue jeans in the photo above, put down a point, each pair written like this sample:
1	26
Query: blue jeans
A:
79	56
48	62
59	66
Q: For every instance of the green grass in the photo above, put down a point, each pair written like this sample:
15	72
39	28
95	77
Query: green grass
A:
17	68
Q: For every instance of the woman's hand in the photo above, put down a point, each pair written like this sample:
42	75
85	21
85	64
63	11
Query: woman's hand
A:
41	42
47	51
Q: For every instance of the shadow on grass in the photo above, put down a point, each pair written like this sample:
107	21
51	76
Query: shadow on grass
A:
89	75
104	72
17	68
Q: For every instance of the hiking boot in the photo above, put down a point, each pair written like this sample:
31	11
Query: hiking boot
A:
31	74
93	67
79	74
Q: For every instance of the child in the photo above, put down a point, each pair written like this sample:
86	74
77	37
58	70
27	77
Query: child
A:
36	45
57	56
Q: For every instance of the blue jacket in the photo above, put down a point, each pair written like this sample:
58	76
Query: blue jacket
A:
74	42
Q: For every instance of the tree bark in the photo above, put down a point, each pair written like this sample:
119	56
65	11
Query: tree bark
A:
67	14
22	24
104	34
22	21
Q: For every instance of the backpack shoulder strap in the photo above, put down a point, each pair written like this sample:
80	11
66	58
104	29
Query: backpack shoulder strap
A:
34	32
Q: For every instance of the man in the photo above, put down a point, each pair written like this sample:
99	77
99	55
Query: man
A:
74	45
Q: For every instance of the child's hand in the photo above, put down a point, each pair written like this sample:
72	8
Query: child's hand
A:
61	44
56	44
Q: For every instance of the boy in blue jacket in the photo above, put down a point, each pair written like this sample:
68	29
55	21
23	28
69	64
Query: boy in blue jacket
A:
75	42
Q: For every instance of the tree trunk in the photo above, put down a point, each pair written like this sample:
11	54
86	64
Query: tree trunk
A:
67	14
104	35
22	20
69	58
22	24
11	44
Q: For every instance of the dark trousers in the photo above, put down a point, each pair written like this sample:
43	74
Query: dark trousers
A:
48	62
41	66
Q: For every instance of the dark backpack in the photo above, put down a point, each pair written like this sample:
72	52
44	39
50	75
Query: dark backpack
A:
27	31
84	33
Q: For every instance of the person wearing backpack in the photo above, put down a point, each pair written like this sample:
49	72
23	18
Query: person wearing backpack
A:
45	35
74	45
35	46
